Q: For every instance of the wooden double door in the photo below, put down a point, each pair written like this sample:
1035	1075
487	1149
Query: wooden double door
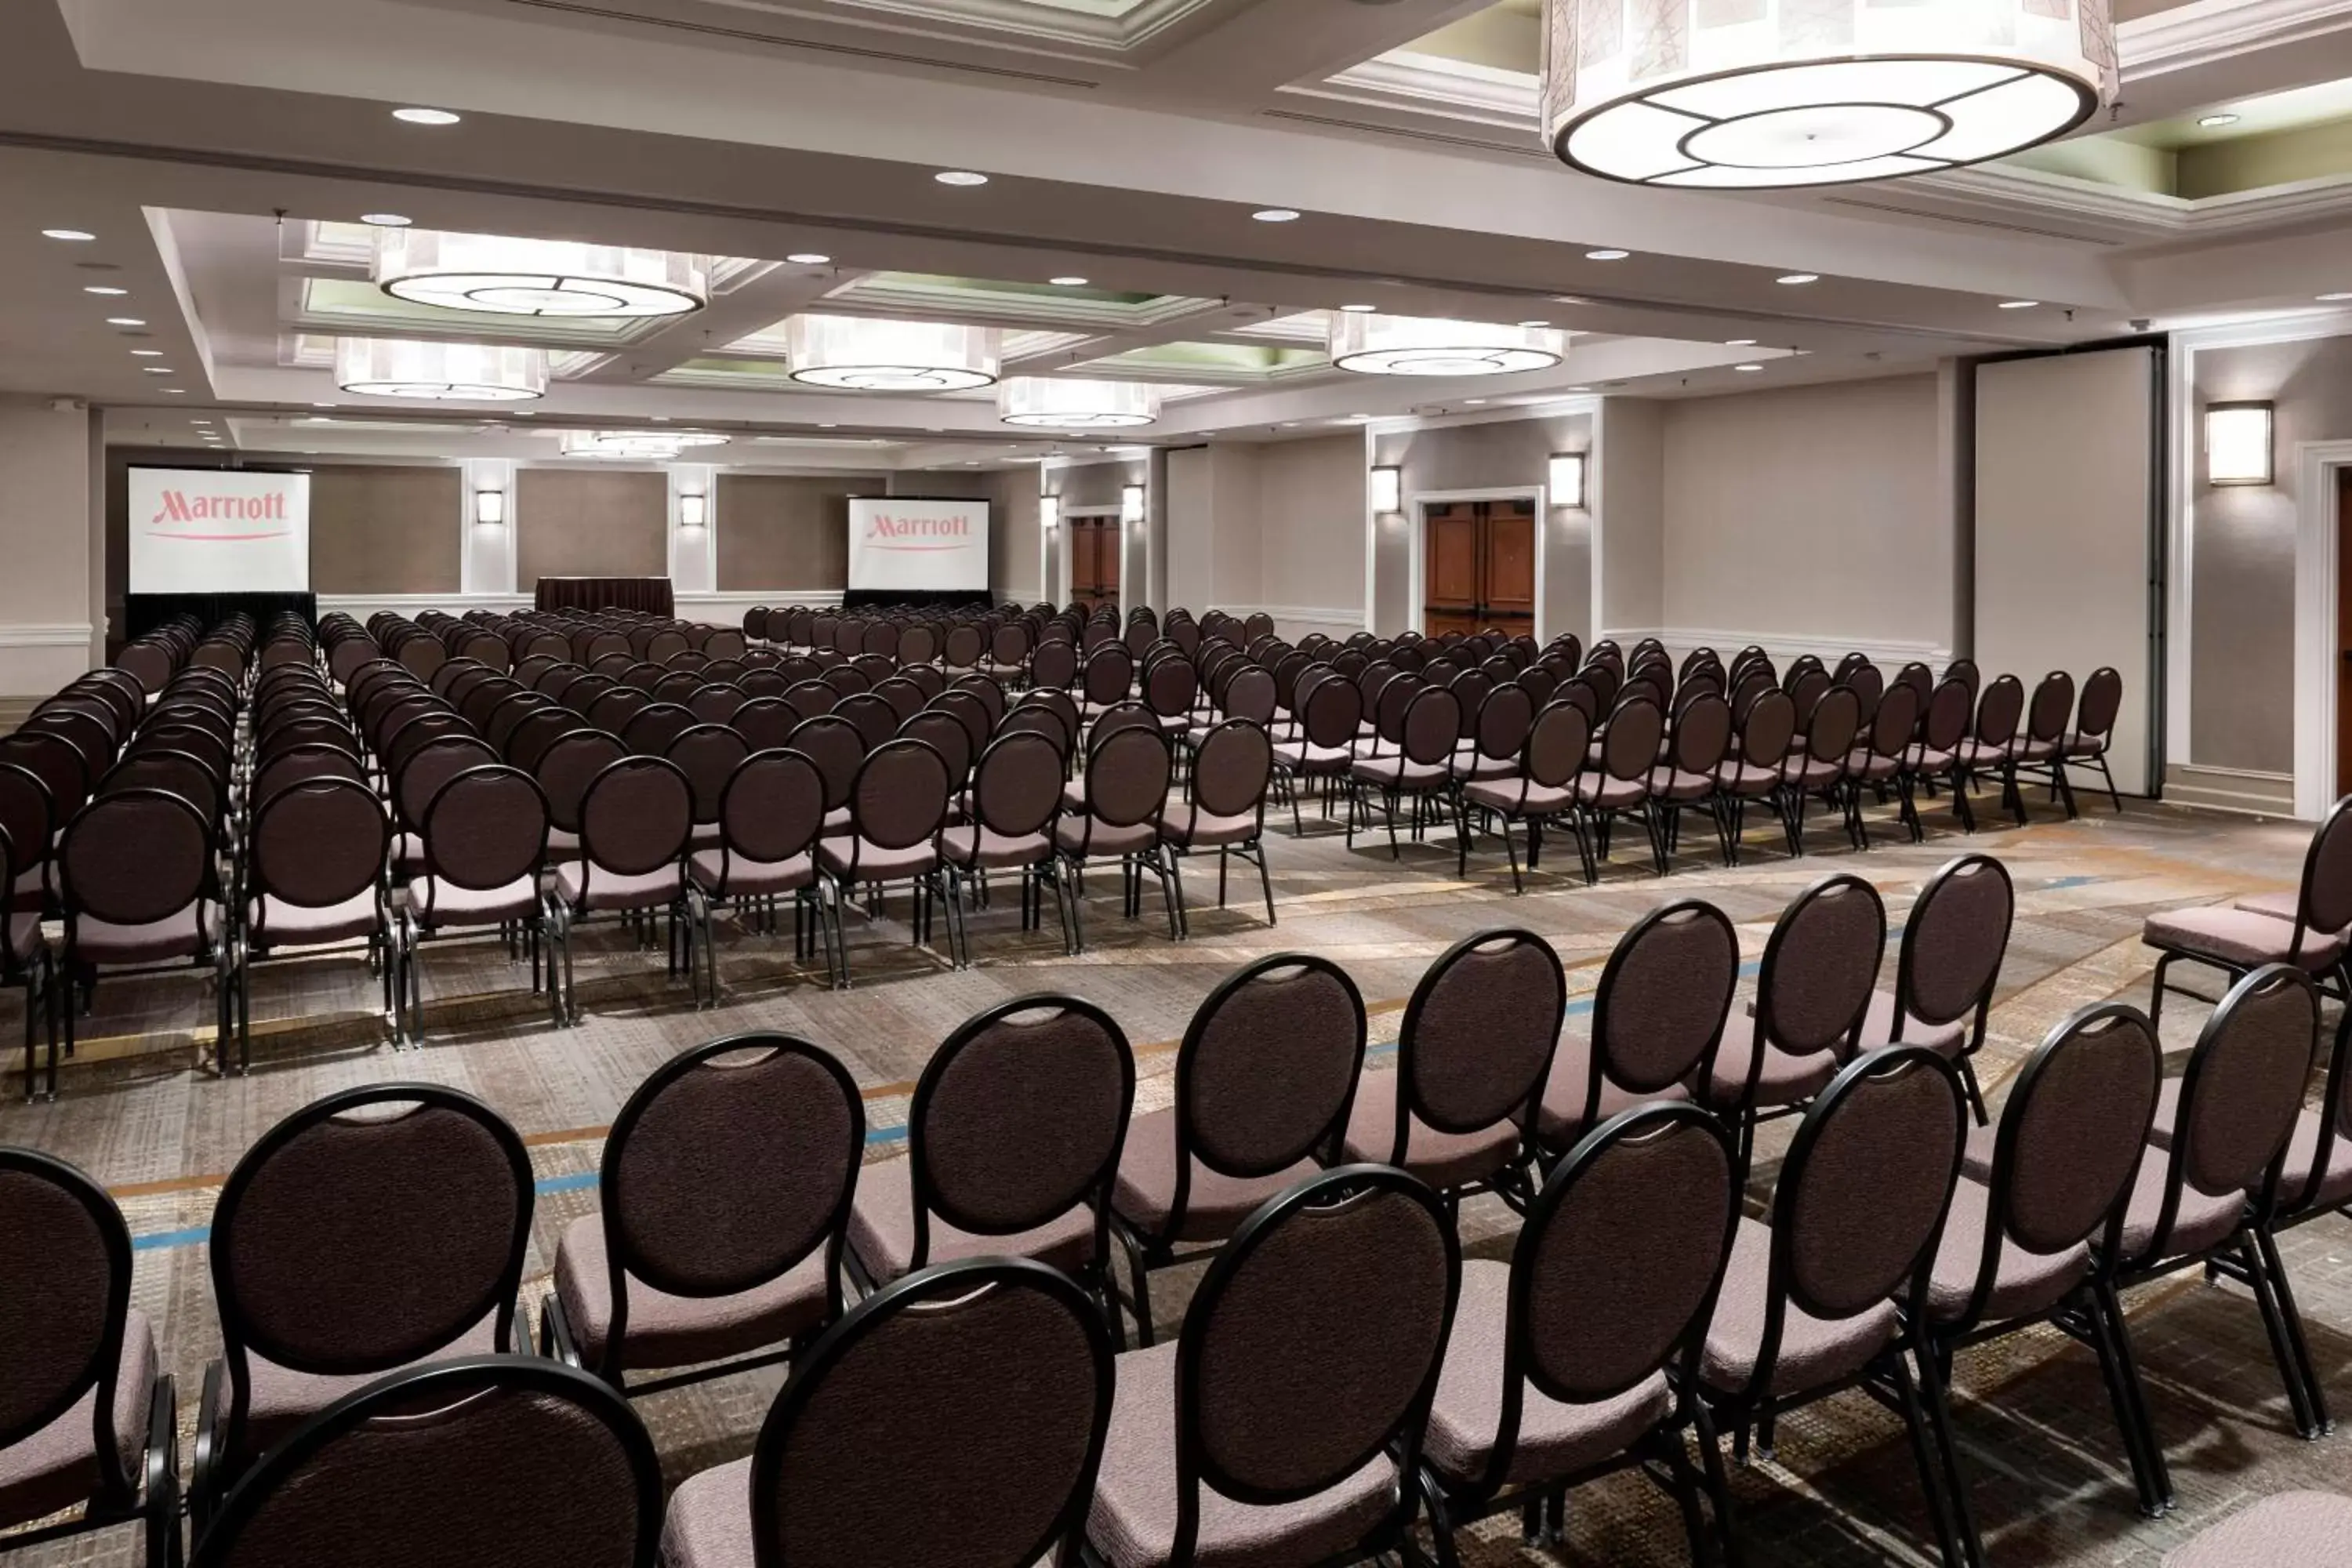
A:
1094	561
1479	567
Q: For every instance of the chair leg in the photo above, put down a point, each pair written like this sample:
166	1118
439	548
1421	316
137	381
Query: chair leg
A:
1935	1389
2315	1391
2113	798
2149	1470
2155	995
1931	1480
1718	1485
2283	1349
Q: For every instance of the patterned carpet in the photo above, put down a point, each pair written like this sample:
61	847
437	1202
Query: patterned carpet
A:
144	1113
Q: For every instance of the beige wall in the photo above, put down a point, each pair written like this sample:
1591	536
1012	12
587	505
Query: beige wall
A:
786	531
49	603
573	523
1311	532
1013	563
1496	454
1811	511
379	529
1629	554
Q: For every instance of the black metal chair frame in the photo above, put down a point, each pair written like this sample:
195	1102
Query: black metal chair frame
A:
2340	972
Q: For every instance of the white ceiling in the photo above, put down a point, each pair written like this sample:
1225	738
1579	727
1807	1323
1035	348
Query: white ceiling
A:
1127	142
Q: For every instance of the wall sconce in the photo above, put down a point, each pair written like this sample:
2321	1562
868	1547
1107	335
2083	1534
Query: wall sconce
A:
1130	503
490	507
1049	514
2237	443
1567	480
1387	490
693	511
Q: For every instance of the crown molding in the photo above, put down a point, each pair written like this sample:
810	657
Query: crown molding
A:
2205	31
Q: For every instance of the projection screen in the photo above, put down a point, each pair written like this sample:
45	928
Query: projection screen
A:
218	531
901	544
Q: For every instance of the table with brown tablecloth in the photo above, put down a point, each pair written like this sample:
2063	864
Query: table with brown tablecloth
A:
650	595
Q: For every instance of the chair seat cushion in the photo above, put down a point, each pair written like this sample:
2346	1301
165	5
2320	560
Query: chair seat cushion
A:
1071	835
1561	1120
1398	772
1878	1026
736	877
2286	1530
1813	1351
985	846
2239	938
563	843
1132	1521
666	1331
1976	753
585	886
2203	1219
875	864
1305	757
1469	764
2024	1282
283	1398
272	921
1554	1439
1747	779
1605	794
438	903
1190	828
2078	744
1676	784
58	1466
2283	906
1504	795
1783	1079
1214	1204
182	935
709	1524
1809	775
1441	1158
882	1229
2032	751
2303	1152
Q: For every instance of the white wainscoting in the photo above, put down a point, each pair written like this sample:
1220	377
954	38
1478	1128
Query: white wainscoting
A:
1782	647
2243	790
36	659
720	609
1292	622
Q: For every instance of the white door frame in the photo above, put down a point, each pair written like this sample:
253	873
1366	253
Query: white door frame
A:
1416	512
2316	657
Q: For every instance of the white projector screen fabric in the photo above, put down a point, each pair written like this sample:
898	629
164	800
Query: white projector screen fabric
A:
2062	569
902	545
218	531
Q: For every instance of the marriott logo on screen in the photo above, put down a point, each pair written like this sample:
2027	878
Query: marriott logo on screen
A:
179	506
952	532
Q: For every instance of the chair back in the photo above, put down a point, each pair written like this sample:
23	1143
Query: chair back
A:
1431	725
1267	1069
1770	725
1127	778
837	748
568	767
318	843
1859	1205
1953	942
432	764
1896	720
485	1459
1819	966
709	755
772	808
1629	746
1232	769
901	795
2324	903
1829	735
1009	1363
1019	1118
486	828
1947	723
1701	734
65	1296
1313	1344
1998	711
1617	1266
637	817
2243	1086
1659	1010
1333	711
1556	745
1016	787
1479	1034
2053	706
735	1161
2103	700
134	856
370	1229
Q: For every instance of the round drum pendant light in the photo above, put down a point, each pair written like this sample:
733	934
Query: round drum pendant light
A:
1074	403
658	446
1759	94
510	277
858	354
460	373
1424	345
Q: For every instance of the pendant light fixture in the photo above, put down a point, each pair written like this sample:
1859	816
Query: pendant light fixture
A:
509	277
1074	403
860	353
1427	345
658	446
1759	94
460	373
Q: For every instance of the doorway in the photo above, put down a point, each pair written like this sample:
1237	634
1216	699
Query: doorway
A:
2342	474
1478	566
1094	543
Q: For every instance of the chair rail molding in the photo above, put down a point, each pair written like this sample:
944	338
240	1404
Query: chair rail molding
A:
2316	655
36	658
1680	640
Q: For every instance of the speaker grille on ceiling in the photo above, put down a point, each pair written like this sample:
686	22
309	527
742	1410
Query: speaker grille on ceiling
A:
745	34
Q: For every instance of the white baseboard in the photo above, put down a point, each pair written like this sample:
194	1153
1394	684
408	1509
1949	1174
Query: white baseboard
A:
1785	645
36	659
2246	790
1292	622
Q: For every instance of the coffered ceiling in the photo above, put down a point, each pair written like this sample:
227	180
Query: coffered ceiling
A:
223	151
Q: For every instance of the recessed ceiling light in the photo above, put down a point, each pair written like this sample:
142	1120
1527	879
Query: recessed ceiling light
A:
1793	277
67	233
1740	343
1276	215
1474	400
2019	304
959	177
2333	299
1606	255
1534	324
808	258
1748	369
828	426
1359	310
2214	121
322	406
1579	389
1067	282
126	320
107	288
659	418
385	220
175	390
147	354
314	420
426	116
156	369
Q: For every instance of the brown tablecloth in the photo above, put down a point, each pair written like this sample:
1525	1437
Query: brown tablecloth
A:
650	595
